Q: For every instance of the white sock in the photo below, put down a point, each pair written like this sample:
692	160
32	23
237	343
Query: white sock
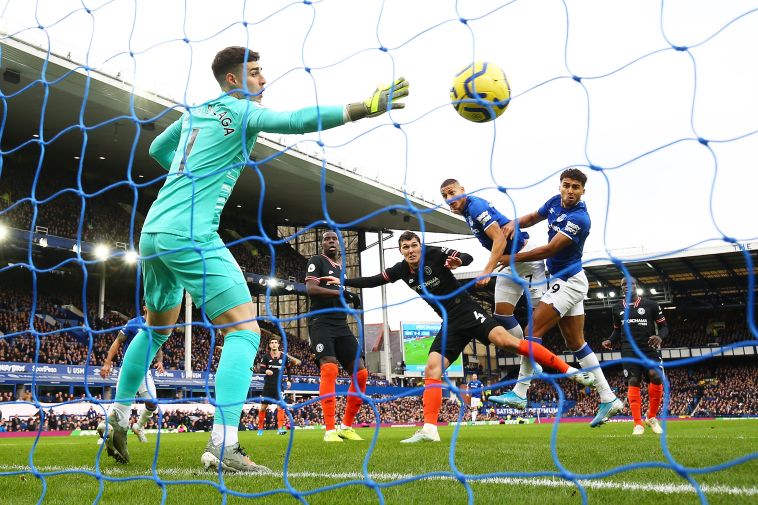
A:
329	431
144	417
217	435
124	413
603	388
429	428
473	415
525	370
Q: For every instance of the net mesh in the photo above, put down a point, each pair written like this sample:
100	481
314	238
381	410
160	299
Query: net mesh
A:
688	49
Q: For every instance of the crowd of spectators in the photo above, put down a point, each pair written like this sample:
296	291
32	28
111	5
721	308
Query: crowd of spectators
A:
105	222
699	392
686	329
57	346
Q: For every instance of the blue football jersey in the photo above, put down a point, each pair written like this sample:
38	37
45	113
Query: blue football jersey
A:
575	224
475	385
480	215
130	329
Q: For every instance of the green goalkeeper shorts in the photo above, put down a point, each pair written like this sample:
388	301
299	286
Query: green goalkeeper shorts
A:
205	268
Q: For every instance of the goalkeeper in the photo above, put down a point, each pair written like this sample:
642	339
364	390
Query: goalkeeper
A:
204	152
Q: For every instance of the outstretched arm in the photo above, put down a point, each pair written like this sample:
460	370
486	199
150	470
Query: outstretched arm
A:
367	282
542	252
311	119
525	221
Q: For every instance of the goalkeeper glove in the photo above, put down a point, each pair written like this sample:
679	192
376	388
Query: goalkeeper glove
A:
379	102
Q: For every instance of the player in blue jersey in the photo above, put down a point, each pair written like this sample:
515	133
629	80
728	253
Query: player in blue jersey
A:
146	389
486	222
475	397
205	152
563	303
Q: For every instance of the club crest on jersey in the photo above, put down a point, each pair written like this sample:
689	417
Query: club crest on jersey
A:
319	347
641	311
560	218
427	270
331	272
311	267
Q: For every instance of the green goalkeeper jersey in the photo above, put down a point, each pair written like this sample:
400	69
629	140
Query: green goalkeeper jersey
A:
204	154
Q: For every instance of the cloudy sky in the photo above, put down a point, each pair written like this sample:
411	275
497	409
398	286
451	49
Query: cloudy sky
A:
637	111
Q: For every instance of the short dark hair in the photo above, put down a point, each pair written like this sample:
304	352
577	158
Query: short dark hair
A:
274	337
575	174
448	182
406	236
229	59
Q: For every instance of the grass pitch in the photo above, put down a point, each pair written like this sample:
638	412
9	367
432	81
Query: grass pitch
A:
316	468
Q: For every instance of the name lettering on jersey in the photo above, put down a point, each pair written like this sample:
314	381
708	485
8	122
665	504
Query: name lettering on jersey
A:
223	117
484	217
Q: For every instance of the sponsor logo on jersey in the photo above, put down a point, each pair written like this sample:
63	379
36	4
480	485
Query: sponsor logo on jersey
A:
572	228
484	217
641	322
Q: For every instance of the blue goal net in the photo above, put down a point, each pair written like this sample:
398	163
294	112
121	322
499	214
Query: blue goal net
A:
654	102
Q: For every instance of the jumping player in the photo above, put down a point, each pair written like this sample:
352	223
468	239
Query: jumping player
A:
486	222
563	303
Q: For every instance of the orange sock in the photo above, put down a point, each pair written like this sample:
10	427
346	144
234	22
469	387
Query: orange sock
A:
655	392
279	418
262	418
635	403
329	373
542	355
354	402
432	400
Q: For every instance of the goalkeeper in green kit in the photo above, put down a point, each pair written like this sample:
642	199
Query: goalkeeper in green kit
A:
205	152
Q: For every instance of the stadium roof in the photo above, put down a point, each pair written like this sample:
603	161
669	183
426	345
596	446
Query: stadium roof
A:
698	277
293	179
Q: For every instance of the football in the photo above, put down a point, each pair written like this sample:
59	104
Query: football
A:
480	92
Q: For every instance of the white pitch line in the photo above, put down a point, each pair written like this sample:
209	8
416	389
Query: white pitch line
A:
392	477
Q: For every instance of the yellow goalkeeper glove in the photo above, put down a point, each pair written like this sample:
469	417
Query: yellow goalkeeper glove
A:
379	102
